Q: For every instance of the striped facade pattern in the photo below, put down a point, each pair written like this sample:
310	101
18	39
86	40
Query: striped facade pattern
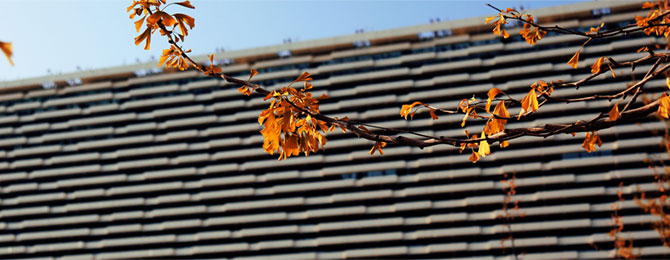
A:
170	164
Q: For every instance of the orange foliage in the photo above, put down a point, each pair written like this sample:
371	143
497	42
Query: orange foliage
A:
659	206
595	68
499	23
655	16
590	141
664	106
245	90
614	114
378	147
184	20
211	70
288	127
531	33
469	111
574	61
6	48
496	125
407	110
153	17
622	247
475	156
528	103
492	95
484	149
509	214
173	58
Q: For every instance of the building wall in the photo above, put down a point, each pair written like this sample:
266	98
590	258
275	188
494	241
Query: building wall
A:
135	162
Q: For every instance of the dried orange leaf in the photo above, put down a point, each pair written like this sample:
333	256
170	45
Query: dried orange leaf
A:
146	35
501	110
590	141
614	112
164	57
528	103
406	109
433	115
595	68
245	90
474	157
184	19
167	19
587	142
664	106
505	34
186	4
484	148
531	33
253	73
495	125
6	48
492	95
574	60
378	147
305	76
131	6
504	144
266	113
465	118
496	28
138	24
598	141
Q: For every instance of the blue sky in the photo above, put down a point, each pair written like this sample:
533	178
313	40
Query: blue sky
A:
52	37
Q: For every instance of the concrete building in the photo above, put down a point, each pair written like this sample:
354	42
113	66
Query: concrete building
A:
136	162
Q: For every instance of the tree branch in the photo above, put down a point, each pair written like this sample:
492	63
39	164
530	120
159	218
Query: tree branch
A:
508	134
606	34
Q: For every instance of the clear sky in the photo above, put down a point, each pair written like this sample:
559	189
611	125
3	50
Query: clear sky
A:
58	36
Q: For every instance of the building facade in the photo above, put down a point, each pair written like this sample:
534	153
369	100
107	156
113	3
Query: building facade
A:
136	162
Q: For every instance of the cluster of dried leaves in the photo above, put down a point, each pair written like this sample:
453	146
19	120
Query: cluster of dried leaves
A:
658	205
623	247
154	17
288	127
531	32
540	91
509	213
